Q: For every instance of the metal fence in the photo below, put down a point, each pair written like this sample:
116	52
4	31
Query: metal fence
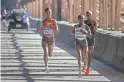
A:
109	14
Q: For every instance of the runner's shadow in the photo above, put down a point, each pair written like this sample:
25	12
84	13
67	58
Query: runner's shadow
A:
66	48
20	56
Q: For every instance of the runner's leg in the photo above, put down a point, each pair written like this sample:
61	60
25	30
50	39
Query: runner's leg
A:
50	49
84	57
90	51
44	45
79	58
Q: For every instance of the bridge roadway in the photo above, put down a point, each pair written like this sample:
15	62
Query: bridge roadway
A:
22	61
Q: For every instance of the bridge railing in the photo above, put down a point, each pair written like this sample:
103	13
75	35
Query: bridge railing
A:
107	13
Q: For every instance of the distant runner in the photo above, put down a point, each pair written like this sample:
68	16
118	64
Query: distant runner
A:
4	18
27	18
91	40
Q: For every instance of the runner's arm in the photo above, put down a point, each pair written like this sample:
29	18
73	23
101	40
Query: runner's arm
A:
94	25
40	29
88	33
73	30
56	26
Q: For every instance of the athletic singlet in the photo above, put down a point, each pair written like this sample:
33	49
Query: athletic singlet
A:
49	32
89	24
78	34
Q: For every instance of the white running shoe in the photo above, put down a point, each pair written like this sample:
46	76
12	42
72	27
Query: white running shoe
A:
47	70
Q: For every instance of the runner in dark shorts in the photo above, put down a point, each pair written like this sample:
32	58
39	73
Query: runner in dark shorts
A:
91	40
81	31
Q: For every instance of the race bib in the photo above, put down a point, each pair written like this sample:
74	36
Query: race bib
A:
79	35
47	31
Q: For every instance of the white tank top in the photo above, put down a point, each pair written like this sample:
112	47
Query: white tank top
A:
78	34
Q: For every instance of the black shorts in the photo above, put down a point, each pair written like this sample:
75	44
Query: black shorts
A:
91	41
48	40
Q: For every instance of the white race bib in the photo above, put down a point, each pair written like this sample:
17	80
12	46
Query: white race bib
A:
78	34
47	31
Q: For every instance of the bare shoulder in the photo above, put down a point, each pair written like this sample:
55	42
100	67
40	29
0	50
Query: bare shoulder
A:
53	20
95	23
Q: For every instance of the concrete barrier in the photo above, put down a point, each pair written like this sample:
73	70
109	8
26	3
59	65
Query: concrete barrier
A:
111	50
64	35
101	44
118	59
109	47
35	23
109	44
